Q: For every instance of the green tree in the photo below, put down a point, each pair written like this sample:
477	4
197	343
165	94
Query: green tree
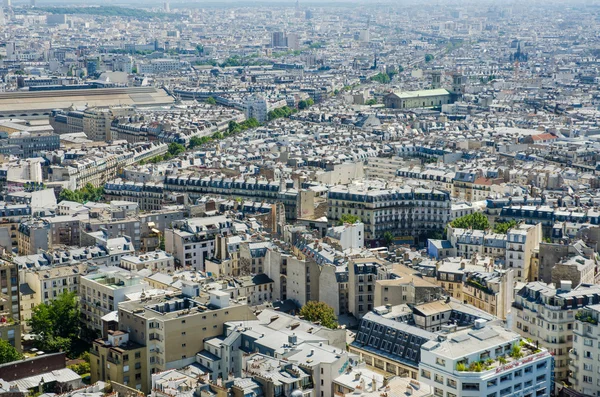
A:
388	237
475	220
382	78
348	218
315	311
57	323
302	105
86	193
371	102
8	353
428	58
176	149
504	227
211	101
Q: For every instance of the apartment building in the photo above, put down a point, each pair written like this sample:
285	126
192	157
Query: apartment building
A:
546	314
118	359
521	241
156	261
390	346
404	285
490	291
148	195
469	243
412	213
102	291
46	284
10	319
362	277
193	240
485	360
33	236
174	328
584	370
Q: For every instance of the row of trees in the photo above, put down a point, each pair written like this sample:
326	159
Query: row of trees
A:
478	221
232	129
278	113
305	104
174	150
86	193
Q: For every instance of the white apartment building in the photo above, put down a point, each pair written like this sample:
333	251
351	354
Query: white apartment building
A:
546	315
101	293
193	240
157	261
258	108
584	358
486	360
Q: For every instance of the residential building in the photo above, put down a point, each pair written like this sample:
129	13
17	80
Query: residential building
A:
546	314
118	359
157	261
390	346
193	240
486	360
520	244
173	328
10	319
584	374
102	291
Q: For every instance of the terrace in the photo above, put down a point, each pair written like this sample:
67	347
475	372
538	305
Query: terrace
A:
503	358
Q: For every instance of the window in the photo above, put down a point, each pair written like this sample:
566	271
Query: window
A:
439	379
425	374
470	386
451	383
440	361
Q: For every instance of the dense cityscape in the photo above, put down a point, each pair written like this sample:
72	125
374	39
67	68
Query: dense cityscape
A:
300	199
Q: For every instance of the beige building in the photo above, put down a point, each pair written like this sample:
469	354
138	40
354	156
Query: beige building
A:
45	285
521	242
120	360
417	99
157	261
10	320
491	291
173	328
97	121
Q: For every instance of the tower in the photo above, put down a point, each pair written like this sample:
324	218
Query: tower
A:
458	85
436	79
166	7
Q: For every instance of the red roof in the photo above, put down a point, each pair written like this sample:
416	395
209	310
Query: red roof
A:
543	137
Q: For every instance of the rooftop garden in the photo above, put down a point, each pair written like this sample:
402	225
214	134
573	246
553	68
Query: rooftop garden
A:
586	317
525	348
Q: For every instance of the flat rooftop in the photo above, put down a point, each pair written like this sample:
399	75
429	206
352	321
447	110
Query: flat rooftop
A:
14	104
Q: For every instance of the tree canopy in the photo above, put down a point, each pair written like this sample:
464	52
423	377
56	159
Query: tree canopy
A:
280	112
305	104
475	220
176	149
86	193
428	58
211	101
57	323
504	227
8	353
388	237
382	78
318	311
348	218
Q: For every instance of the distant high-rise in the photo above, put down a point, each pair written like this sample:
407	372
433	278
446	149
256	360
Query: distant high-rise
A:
166	7
7	3
293	41
308	14
32	3
278	40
